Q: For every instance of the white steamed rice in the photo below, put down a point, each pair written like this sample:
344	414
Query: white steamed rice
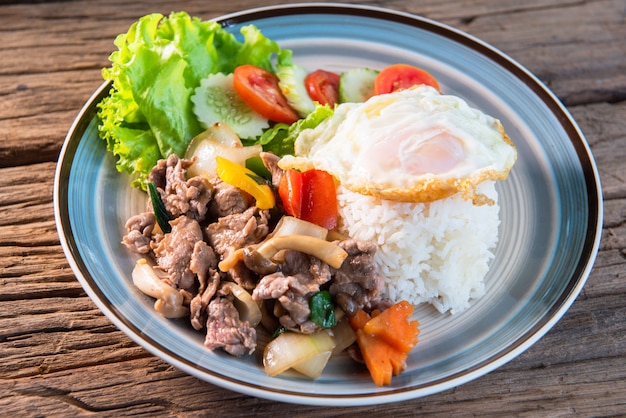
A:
436	252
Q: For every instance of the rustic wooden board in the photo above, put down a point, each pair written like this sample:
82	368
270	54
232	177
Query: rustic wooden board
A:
62	357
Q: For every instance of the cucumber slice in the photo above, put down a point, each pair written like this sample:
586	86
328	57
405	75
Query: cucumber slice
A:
357	85
215	100
291	82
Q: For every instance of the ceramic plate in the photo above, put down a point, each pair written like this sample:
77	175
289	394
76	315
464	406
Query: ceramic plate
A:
551	211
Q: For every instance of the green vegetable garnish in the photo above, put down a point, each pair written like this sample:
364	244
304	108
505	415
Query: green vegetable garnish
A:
257	179
163	218
278	331
256	164
323	310
281	137
148	114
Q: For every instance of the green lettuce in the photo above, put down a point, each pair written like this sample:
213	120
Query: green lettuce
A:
280	138
148	114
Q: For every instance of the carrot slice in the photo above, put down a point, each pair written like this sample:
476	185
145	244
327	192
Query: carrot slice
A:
359	320
382	360
393	326
385	340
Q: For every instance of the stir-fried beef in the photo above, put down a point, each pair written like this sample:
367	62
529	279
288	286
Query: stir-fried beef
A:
227	200
270	161
225	329
181	196
236	231
293	286
174	252
204	265
357	283
213	220
139	234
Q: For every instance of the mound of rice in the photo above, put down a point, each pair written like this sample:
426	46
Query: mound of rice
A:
436	252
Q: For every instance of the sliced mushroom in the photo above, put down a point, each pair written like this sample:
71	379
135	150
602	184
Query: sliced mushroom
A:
290	234
289	225
169	301
248	309
231	260
331	254
257	263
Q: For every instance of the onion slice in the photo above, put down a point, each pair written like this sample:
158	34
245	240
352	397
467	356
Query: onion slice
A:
314	366
218	140
290	348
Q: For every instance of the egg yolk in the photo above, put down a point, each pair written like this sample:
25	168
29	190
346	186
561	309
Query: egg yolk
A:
435	151
438	154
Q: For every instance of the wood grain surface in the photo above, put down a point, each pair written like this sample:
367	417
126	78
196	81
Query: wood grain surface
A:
60	356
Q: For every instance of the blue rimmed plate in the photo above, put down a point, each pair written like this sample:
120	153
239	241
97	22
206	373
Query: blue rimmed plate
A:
551	213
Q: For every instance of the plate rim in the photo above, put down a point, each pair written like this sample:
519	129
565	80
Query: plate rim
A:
551	316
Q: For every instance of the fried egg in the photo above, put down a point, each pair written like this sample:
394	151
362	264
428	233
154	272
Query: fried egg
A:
414	145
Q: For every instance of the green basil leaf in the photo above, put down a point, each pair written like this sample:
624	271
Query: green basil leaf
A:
323	310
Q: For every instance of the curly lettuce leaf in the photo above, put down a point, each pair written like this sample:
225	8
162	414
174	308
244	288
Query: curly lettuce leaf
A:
159	62
280	138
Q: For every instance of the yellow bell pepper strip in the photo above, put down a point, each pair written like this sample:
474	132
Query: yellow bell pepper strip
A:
246	180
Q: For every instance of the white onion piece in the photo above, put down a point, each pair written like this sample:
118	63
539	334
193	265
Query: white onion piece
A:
289	349
314	366
218	132
218	140
343	334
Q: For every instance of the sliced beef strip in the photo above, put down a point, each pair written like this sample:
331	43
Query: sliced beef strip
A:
227	200
139	235
158	173
237	231
225	329
357	284
174	252
181	196
300	277
204	265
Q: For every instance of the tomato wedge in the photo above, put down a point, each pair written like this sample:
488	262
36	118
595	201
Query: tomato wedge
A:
310	196
323	87
258	88
402	76
290	192
319	205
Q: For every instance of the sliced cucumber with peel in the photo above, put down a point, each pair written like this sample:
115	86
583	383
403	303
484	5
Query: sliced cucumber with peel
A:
215	100
356	85
291	82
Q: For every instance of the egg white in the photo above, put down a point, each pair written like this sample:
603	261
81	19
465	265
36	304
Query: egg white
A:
414	145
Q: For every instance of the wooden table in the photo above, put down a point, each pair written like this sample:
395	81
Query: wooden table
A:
62	357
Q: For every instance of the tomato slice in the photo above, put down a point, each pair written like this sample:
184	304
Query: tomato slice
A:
258	88
402	76
323	87
310	195
319	205
290	192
